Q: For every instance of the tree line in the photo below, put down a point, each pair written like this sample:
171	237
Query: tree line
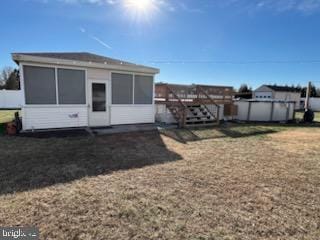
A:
314	91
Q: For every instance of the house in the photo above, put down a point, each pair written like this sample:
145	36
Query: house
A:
278	93
80	89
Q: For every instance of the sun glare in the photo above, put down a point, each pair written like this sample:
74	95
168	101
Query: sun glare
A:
140	9
140	5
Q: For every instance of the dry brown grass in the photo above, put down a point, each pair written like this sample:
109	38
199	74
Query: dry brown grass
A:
215	185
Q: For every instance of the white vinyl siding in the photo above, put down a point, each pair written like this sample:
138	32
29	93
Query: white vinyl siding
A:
47	117
133	114
98	74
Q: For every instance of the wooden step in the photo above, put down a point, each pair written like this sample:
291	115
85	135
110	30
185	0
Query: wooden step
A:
201	125
207	123
190	118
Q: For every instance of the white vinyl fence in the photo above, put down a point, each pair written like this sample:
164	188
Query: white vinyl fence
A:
265	111
11	98
314	104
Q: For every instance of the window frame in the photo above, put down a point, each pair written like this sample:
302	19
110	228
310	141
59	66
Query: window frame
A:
105	97
23	85
133	88
57	86
152	97
55	67
111	89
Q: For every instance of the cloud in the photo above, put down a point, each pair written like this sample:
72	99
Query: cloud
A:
111	2
97	2
82	29
280	6
186	8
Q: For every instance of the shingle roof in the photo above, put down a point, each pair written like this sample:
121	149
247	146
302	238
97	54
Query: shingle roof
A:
282	88
80	56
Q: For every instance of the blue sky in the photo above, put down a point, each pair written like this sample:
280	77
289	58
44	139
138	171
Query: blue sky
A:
220	42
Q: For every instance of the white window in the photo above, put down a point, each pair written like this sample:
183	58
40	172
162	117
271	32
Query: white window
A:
71	86
122	88
143	89
41	86
131	89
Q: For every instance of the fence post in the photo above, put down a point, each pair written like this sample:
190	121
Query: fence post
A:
249	111
271	113
288	111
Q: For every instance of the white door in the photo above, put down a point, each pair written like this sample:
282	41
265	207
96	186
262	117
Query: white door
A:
98	107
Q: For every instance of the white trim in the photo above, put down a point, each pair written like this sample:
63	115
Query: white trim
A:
22	88
54	106
130	105
133	88
49	65
57	85
107	109
34	59
22	83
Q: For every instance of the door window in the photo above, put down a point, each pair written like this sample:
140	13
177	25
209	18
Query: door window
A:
98	97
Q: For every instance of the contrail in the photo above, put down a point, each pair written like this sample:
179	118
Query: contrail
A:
100	41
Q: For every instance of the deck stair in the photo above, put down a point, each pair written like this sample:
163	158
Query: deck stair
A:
199	115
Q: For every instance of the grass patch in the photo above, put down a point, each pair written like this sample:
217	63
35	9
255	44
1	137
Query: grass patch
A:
231	182
7	115
299	116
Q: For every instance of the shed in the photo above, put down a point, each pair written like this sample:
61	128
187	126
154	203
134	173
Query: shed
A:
282	93
79	89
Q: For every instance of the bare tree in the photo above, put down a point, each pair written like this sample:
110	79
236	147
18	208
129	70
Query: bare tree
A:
9	78
245	89
4	75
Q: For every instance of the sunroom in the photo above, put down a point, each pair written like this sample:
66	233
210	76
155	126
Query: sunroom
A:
63	90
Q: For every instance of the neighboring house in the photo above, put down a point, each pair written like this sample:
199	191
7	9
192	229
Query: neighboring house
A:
278	93
63	90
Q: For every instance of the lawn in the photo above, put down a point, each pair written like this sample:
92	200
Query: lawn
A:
6	115
299	116
231	182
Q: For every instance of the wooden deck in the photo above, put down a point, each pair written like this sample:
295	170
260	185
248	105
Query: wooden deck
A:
203	100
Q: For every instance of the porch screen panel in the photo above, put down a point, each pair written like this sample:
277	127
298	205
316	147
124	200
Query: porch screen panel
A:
143	89
40	85
71	86
122	88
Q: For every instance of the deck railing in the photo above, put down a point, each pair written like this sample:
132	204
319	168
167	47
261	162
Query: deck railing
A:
198	94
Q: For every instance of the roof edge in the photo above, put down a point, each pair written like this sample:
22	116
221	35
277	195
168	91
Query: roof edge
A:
20	57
